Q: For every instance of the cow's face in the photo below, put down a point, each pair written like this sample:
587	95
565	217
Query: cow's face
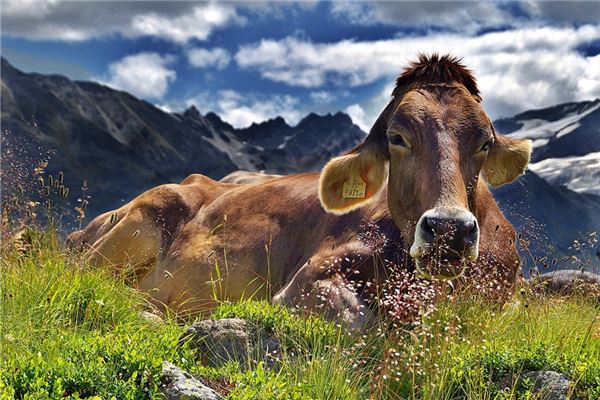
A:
433	142
437	141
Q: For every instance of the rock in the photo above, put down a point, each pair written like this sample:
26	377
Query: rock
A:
219	341
177	384
550	385
151	317
567	281
545	385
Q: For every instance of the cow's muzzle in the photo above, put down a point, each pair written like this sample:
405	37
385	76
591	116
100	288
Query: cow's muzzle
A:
446	239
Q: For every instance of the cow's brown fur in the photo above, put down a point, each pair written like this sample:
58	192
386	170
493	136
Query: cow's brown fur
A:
204	241
241	177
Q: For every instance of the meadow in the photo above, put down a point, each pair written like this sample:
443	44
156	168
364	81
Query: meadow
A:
68	330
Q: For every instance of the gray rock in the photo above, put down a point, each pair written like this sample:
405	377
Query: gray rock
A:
546	385
566	281
219	341
550	385
177	384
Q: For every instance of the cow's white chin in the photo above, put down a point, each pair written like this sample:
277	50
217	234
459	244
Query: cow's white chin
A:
450	274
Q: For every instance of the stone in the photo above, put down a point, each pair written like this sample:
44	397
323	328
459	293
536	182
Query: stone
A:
550	385
219	341
545	385
566	281
177	384
151	317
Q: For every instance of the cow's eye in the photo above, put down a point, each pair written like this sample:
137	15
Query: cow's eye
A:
487	145
397	140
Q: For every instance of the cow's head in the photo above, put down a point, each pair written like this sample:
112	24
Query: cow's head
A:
432	144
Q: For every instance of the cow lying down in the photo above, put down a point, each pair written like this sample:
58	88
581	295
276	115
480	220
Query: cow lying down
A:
413	195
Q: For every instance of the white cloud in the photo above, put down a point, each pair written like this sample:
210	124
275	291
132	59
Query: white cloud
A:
198	24
144	74
563	11
365	113
302	63
322	97
203	58
356	112
32	8
178	22
517	69
463	16
241	110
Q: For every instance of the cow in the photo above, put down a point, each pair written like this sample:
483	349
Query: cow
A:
242	176
414	193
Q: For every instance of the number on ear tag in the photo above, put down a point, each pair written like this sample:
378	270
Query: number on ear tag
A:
354	188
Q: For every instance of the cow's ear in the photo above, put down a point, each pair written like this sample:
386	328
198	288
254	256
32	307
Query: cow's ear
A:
352	180
506	160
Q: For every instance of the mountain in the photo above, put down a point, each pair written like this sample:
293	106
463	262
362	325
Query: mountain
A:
566	143
550	219
122	145
274	146
558	200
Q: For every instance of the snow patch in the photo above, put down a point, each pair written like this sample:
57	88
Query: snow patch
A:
537	129
579	173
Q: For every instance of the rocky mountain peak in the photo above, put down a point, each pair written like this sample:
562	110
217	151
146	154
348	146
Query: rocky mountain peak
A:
313	120
192	113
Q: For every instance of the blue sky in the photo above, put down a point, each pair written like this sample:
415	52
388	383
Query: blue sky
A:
250	61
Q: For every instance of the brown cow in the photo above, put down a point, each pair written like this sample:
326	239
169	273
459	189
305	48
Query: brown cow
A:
202	241
241	177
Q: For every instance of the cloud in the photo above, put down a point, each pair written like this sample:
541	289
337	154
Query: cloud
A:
178	22
203	58
322	97
241	110
298	62
517	69
563	11
450	15
144	74
465	16
198	24
356	112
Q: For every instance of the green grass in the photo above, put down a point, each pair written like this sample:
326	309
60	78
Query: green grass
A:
72	331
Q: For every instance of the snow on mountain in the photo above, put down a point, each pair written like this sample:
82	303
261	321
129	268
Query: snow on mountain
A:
579	173
566	143
541	131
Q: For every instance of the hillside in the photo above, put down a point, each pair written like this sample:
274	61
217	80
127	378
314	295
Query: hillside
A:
122	145
558	201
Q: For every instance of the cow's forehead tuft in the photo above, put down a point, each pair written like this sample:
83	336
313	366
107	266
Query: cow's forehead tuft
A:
436	69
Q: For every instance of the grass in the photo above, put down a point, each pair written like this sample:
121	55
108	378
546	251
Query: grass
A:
71	331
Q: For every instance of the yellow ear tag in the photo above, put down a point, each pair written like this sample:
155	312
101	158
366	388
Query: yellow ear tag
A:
354	188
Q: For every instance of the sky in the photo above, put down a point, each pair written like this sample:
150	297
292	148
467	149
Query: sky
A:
252	61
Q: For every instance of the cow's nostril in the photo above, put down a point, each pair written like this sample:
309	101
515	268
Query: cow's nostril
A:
439	227
471	227
428	227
